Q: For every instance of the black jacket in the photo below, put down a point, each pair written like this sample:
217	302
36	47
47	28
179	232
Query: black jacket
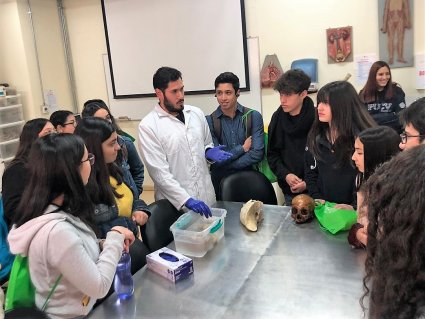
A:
286	142
14	180
327	181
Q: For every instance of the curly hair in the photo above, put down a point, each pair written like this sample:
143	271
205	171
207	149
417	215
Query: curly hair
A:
395	263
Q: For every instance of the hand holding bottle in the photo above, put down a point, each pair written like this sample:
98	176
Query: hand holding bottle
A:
128	236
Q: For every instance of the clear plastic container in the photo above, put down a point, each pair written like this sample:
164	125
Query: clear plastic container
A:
194	235
9	100
11	114
11	131
8	149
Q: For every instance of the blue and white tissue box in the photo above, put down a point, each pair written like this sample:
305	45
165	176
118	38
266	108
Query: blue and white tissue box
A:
170	264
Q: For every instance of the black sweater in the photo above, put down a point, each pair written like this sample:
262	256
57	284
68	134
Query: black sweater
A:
14	180
286	142
385	111
327	181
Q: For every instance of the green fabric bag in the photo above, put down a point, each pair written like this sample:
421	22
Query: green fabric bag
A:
334	219
263	166
20	290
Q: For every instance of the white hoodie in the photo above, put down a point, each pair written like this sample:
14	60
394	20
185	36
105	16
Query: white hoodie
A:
59	243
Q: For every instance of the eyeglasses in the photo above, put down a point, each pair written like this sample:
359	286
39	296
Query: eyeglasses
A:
404	137
90	159
74	123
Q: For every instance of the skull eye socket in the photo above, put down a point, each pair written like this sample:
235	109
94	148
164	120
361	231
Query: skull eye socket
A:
304	212
294	211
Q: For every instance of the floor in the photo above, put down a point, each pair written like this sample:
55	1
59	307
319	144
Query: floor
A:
148	196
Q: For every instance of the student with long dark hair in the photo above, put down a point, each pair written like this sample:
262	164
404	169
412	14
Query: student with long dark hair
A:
128	158
395	263
340	117
54	228
373	147
116	202
383	98
63	121
15	177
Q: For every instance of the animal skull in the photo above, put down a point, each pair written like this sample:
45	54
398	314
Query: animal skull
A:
251	214
302	208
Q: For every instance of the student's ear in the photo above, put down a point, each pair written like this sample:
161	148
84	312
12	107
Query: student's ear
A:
303	94
238	93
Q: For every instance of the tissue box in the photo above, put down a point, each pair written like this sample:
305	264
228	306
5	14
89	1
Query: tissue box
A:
170	264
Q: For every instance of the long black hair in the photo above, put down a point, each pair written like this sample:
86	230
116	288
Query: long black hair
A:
27	138
94	105
349	117
380	143
395	263
55	170
94	132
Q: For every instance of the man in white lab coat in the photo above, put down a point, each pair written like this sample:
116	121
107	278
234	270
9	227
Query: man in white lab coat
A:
175	143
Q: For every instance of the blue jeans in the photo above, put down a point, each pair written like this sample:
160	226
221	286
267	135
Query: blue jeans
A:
288	199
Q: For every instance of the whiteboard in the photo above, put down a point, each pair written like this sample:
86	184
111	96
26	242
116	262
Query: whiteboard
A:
201	38
137	108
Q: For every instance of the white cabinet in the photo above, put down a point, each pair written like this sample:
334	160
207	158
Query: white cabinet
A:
11	123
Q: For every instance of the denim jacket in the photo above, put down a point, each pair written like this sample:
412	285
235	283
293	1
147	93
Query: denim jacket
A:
132	167
107	217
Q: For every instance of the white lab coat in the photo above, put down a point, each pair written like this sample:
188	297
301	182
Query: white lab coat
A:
174	154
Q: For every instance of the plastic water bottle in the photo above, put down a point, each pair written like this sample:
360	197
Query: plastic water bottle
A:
123	283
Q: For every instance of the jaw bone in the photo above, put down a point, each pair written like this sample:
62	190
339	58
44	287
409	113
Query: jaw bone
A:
251	214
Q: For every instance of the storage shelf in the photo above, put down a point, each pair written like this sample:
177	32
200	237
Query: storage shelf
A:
16	140
12	124
8	159
9	107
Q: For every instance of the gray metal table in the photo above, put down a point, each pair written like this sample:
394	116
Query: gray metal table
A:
283	270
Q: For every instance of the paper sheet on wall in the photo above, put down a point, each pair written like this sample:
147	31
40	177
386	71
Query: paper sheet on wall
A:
362	64
420	71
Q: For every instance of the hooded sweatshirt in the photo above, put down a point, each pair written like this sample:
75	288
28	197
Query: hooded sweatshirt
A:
59	243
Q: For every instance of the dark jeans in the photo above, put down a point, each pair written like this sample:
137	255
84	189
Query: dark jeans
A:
288	199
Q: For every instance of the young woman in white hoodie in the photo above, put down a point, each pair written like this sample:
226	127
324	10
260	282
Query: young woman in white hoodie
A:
57	234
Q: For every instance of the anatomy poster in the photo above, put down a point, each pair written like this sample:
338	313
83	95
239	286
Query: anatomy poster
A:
396	32
339	44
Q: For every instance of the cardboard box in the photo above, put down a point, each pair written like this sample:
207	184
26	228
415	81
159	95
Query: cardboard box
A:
170	264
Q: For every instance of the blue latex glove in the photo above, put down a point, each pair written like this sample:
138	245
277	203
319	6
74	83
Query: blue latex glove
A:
198	207
216	154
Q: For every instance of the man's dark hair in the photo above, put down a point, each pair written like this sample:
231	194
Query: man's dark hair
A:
415	116
165	75
293	81
227	77
59	117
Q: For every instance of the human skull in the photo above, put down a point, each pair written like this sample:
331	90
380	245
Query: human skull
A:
302	208
251	214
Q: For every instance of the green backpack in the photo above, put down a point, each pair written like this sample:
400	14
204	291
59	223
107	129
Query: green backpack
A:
20	291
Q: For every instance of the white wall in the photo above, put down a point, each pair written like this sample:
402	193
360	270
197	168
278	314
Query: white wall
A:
292	29
295	29
18	65
13	59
